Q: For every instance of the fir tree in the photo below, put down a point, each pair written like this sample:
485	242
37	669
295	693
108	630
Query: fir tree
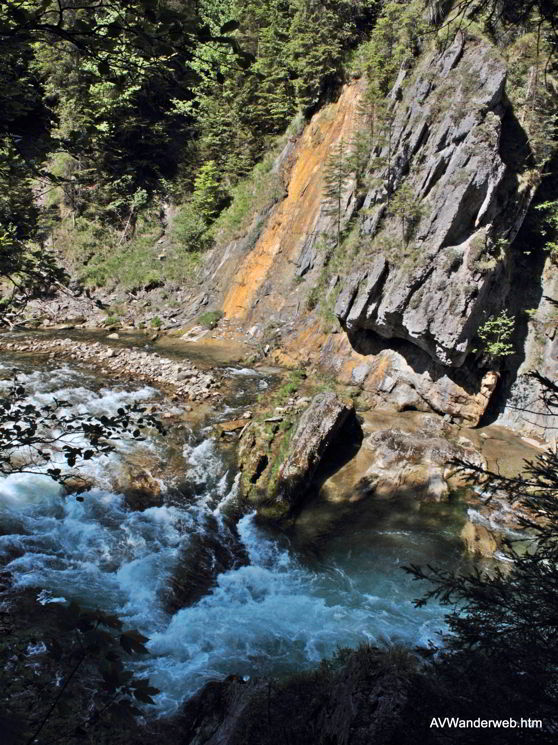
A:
337	173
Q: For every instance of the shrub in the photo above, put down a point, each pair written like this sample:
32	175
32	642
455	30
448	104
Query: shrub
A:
190	229
495	335
210	318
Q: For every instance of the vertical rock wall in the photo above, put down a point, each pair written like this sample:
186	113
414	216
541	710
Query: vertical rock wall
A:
409	294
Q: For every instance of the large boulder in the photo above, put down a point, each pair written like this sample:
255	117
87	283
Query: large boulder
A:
279	461
409	456
317	429
417	464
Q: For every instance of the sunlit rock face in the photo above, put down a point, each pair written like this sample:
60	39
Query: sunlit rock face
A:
429	255
436	232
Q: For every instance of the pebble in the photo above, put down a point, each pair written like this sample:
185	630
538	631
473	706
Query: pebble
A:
186	380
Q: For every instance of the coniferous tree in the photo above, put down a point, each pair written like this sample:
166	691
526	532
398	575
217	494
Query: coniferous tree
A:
504	620
337	174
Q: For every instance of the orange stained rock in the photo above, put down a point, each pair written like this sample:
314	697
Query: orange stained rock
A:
312	344
296	216
378	372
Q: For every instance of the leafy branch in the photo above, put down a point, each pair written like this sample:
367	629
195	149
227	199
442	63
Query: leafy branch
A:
98	639
30	435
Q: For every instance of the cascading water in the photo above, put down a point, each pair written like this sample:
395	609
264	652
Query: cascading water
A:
274	612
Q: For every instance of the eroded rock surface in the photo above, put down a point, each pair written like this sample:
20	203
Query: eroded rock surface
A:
413	458
429	278
278	464
417	464
316	430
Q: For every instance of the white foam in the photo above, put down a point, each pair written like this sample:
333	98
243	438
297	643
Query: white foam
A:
273	616
246	372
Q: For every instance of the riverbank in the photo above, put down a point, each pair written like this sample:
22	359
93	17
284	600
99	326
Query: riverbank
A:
181	379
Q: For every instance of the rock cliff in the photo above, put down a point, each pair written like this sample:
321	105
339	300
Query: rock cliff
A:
430	282
429	248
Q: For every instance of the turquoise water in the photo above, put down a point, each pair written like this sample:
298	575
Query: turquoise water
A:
281	611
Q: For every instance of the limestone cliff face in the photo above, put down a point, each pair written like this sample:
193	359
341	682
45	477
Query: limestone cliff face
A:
430	282
521	405
430	253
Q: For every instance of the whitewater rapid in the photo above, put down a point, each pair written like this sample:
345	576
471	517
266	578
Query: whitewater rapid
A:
278	613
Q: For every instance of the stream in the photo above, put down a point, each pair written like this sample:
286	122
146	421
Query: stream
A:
280	608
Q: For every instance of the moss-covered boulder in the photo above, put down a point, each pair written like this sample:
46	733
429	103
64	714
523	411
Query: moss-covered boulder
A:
279	457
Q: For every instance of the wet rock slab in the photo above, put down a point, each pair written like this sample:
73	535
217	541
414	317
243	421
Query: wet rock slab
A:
279	464
318	427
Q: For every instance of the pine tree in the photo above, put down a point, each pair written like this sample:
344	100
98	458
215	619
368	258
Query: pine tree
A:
207	191
337	174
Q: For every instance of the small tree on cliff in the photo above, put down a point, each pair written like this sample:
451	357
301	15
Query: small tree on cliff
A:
495	336
337	173
207	192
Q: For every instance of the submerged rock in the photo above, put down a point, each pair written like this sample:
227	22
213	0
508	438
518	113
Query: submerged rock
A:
213	549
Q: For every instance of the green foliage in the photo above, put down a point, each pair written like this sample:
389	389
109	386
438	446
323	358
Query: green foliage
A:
252	194
111	108
210	318
337	173
299	47
495	335
189	229
292	384
111	320
207	192
394	42
313	298
405	205
550	227
102	257
533	90
320	32
86	109
156	322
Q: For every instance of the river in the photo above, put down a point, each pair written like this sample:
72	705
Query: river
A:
281	607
